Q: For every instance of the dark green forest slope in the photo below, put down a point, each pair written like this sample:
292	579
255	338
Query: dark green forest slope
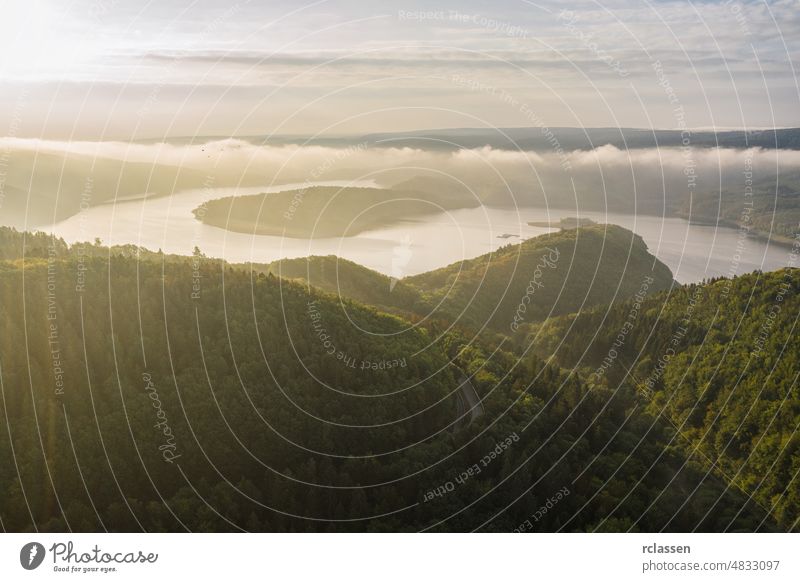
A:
719	361
343	278
548	275
163	393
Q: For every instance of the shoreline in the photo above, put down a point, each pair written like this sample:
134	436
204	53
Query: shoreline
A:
760	235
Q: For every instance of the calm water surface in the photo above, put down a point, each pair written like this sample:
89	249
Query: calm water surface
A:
692	252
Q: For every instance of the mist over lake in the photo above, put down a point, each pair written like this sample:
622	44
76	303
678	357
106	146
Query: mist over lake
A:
693	252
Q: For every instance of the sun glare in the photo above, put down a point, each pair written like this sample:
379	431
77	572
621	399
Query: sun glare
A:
37	39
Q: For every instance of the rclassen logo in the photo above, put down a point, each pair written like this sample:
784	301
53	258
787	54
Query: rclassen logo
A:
31	555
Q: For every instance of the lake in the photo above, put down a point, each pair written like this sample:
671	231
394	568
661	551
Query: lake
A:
693	252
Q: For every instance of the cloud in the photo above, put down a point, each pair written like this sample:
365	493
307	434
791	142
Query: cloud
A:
641	180
346	58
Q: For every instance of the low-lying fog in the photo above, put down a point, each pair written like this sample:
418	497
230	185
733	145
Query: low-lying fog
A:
80	190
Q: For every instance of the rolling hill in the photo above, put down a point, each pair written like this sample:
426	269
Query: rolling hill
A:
175	394
548	275
770	209
718	360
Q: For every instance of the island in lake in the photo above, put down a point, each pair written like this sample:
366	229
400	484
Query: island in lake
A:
327	211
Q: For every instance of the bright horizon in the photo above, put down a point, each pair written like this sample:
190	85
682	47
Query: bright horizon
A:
99	70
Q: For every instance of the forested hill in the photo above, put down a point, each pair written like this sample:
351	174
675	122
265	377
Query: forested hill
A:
719	360
346	279
42	187
180	393
548	275
771	209
16	245
326	211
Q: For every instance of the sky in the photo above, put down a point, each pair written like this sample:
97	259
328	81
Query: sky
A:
121	69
